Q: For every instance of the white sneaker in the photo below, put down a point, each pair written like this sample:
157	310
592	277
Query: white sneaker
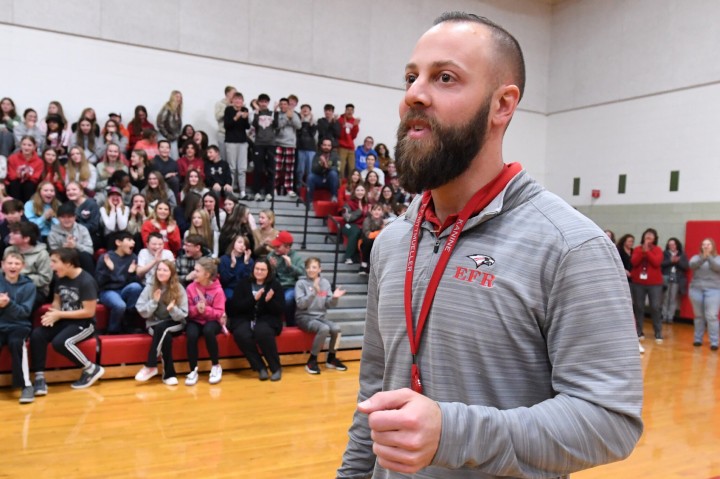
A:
292	194
145	373
258	197
243	195
658	340
192	378
268	197
172	381
215	374
642	350
348	261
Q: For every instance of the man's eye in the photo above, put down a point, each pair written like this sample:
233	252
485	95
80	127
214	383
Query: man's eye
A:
410	79
445	78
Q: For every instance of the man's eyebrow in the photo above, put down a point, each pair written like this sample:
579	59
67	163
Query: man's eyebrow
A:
434	65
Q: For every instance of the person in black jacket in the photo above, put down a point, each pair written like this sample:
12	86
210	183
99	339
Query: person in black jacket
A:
255	314
237	122
119	286
218	174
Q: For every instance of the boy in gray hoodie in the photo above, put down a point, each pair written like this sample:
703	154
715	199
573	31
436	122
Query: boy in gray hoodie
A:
17	295
314	295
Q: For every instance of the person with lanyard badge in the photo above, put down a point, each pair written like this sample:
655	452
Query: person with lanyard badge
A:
500	340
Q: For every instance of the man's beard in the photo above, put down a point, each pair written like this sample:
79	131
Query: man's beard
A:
429	163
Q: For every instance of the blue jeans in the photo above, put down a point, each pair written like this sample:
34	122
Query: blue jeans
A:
328	181
118	302
706	304
289	305
304	164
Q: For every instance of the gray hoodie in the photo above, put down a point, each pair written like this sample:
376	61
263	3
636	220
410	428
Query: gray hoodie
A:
285	132
59	235
154	312
37	266
313	304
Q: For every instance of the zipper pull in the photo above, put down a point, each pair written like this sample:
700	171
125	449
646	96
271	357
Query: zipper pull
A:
437	245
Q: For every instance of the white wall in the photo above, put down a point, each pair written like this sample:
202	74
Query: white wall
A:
634	89
85	53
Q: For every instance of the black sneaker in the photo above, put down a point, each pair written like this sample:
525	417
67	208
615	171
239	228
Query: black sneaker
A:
27	396
312	367
276	376
40	387
263	375
335	363
87	379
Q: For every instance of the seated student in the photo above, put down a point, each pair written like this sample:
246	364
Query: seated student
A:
70	319
87	212
167	166
119	285
217	172
69	234
314	295
255	314
114	214
151	256
12	210
371	166
161	221
201	225
24	170
156	190
265	233
324	173
17	297
24	240
191	159
372	224
288	267
194	183
193	249
41	209
236	264
164	305
354	213
206	316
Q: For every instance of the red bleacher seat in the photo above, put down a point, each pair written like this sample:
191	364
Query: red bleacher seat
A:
124	349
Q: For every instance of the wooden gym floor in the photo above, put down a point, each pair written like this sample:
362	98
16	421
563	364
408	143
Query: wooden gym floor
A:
297	427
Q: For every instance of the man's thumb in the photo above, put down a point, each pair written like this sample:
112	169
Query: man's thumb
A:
386	400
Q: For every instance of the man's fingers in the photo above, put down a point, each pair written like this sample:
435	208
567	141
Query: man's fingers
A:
386	400
396	459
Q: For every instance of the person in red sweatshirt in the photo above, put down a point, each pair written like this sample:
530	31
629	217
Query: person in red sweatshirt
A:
206	316
647	280
349	128
24	169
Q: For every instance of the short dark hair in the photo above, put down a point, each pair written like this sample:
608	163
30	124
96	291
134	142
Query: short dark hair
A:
163	141
263	96
28	110
283	99
238	95
66	209
350	105
213	147
306	105
121	236
67	256
329	106
506	45
154	234
197	240
27	230
12	206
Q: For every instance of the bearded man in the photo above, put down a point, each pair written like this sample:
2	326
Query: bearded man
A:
499	339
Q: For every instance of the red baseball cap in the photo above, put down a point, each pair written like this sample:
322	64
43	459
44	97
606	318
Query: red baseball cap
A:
284	237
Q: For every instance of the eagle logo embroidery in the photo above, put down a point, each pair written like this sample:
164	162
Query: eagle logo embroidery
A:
481	259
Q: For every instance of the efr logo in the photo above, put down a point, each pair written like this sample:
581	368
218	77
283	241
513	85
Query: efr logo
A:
474	276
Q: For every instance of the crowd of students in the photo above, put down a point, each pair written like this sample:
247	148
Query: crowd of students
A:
182	252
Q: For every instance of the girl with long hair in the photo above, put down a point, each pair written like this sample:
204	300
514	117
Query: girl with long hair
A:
674	269
383	157
354	180
90	115
217	214
647	281
187	133
79	169
110	133
388	202
162	221
194	183
53	171
139	167
57	136
42	208
164	305
156	190
9	119
372	187
202	141
200	225
265	233
55	108
137	125
206	316
113	160
239	221
236	264
183	212
169	120
255	314
138	215
354	213
24	170
86	138
87	211
149	144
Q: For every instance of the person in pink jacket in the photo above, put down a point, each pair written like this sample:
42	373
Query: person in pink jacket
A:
206	316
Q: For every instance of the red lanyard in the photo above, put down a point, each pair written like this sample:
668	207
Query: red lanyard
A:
479	201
